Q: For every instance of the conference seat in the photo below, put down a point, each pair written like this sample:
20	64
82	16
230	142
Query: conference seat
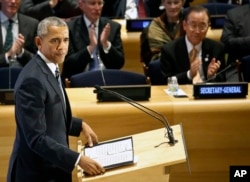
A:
9	76
106	77
243	68
153	71
218	8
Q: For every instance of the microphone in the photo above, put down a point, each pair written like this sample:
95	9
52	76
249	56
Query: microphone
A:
169	134
220	72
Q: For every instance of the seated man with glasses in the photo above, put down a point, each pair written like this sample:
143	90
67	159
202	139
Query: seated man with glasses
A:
193	58
95	41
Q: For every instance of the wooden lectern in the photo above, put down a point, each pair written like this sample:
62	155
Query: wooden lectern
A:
153	162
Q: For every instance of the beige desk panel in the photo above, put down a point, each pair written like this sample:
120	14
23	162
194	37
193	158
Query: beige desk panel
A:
216	130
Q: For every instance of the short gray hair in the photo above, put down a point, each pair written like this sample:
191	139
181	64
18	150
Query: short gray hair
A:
43	26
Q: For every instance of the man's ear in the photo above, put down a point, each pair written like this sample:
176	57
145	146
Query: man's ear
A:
38	42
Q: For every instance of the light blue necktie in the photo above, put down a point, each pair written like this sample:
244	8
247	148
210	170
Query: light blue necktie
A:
94	65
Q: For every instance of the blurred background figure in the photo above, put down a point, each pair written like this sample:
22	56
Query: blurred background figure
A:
17	35
41	9
119	9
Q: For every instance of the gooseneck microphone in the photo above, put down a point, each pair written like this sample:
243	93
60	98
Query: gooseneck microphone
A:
221	72
169	134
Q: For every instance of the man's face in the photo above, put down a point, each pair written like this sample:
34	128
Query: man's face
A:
91	8
10	7
55	44
196	26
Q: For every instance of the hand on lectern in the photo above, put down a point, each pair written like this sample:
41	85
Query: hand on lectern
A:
90	166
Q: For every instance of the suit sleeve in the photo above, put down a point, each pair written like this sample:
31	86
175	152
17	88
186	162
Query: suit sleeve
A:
115	58
36	10
170	65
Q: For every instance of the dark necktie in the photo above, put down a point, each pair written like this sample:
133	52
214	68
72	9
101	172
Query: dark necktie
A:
58	78
9	37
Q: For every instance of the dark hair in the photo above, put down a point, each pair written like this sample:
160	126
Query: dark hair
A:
197	9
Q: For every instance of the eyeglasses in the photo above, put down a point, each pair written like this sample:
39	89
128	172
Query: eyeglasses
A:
194	26
93	3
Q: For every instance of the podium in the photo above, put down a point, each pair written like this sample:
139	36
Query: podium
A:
153	163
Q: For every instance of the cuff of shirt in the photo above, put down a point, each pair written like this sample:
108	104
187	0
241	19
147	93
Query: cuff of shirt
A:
106	50
188	75
20	55
78	159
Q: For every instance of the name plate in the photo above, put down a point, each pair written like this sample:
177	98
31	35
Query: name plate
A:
220	90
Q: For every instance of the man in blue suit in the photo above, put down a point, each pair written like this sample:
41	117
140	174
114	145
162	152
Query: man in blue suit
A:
43	116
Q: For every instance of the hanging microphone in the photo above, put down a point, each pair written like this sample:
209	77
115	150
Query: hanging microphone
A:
220	72
144	109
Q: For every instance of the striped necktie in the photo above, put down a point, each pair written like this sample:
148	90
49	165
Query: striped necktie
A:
9	37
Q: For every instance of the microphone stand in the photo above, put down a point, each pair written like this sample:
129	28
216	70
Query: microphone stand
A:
220	72
144	109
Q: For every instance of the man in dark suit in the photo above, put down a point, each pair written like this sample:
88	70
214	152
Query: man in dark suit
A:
236	33
41	9
43	115
23	30
209	56
93	38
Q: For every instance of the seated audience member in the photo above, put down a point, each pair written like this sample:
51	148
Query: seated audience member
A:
120	9
41	9
95	42
236	33
152	7
162	30
193	58
17	35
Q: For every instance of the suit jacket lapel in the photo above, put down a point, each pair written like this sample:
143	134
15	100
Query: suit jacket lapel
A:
53	82
205	57
82	32
182	58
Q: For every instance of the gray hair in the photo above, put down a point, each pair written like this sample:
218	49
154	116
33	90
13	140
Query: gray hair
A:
43	26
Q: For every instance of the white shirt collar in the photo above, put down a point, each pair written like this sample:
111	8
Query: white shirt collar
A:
52	66
88	22
5	19
190	45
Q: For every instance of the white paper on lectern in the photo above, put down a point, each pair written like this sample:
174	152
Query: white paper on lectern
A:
112	153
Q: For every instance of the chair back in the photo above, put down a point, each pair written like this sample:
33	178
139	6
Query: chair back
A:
9	76
218	8
107	77
154	73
